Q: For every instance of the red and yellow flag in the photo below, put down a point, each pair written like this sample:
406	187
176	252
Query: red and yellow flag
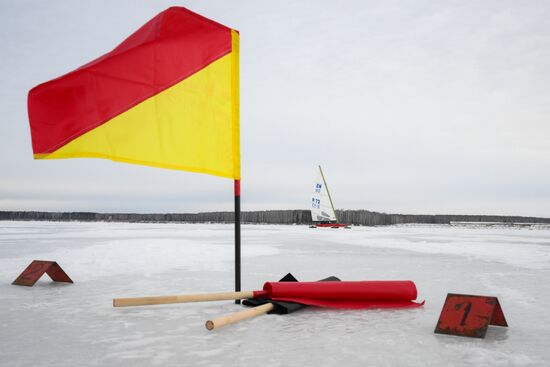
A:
168	96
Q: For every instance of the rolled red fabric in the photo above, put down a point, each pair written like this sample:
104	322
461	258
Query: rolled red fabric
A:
348	294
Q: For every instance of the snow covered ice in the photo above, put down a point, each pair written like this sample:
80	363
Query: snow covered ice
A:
55	324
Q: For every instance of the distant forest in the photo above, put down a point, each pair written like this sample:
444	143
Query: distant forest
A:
355	217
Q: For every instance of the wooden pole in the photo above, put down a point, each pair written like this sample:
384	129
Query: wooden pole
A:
161	300
237	190
238	316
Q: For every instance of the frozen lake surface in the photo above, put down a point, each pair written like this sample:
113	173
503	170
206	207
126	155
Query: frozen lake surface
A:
54	324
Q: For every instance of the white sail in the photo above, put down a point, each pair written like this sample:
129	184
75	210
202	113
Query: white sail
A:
321	208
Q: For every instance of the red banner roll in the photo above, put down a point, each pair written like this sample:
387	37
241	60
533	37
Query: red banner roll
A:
348	294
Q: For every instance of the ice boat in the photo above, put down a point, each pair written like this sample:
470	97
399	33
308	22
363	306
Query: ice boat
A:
322	207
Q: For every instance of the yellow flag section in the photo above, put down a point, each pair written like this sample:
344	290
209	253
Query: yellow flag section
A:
191	126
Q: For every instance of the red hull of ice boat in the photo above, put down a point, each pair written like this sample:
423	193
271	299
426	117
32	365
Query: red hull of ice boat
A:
332	225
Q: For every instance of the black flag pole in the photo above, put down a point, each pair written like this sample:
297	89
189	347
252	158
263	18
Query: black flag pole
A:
237	237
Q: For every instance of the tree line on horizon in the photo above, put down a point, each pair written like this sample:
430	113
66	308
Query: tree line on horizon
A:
354	217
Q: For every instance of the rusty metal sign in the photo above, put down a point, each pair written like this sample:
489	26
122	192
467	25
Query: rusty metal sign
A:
37	268
469	315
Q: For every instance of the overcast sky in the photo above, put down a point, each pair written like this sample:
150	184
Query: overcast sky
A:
427	107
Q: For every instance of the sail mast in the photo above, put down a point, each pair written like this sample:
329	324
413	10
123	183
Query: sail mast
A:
328	192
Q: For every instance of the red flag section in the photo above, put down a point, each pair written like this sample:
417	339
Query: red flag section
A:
349	294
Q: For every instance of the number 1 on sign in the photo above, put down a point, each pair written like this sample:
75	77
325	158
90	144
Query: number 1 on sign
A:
466	312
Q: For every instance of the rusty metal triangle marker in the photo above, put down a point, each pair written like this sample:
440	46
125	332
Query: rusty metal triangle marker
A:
469	315
37	268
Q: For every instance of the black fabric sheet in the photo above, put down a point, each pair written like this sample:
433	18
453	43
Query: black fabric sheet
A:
283	308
